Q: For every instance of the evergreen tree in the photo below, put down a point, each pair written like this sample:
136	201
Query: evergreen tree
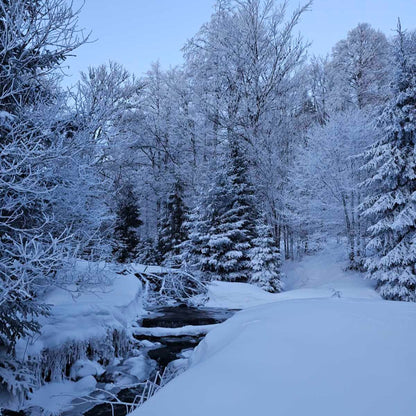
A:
231	217
265	260
391	206
147	252
127	223
208	243
172	232
35	38
191	250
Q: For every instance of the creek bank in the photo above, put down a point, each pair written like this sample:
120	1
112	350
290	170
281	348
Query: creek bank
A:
166	336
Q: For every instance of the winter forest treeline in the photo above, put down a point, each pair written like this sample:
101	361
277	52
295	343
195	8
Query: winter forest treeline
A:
249	154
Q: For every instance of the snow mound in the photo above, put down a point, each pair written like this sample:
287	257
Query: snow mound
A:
138	367
89	315
328	346
298	357
54	398
233	295
84	368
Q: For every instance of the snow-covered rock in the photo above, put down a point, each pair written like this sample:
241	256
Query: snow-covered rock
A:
84	368
138	367
54	398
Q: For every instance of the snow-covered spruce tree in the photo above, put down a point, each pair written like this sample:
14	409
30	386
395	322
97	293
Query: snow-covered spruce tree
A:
231	216
193	251
172	232
35	37
391	205
128	221
265	260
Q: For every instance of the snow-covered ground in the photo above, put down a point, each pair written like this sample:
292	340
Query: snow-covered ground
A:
318	276
88	314
53	398
80	325
114	302
327	346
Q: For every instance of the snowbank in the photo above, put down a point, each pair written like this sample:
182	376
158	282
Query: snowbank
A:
233	295
318	276
89	315
298	357
83	332
328	346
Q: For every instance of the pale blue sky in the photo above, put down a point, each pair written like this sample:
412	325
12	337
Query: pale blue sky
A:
138	32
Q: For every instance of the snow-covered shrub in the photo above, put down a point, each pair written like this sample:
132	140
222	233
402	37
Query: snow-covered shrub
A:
167	285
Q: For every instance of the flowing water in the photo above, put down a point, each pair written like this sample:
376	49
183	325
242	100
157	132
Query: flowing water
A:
170	349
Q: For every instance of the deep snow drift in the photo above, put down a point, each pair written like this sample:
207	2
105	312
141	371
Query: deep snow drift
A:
96	320
90	314
330	346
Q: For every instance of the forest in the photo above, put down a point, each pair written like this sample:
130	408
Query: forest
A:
248	158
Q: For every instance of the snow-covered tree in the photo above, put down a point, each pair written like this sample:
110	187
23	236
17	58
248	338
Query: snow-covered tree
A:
391	204
172	232
35	38
332	194
105	103
347	92
127	238
192	250
265	260
359	70
229	220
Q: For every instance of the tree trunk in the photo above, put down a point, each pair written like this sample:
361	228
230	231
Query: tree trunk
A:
287	245
292	255
350	235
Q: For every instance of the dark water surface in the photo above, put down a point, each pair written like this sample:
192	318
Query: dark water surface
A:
171	346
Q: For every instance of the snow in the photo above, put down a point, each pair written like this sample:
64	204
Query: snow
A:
166	332
329	346
138	367
236	295
143	268
84	368
5	115
53	398
318	276
88	315
130	371
324	273
77	321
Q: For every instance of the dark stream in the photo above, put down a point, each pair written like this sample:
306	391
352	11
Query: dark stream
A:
171	346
